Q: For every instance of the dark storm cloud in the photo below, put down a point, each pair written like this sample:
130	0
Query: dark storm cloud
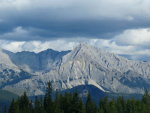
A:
49	19
38	29
121	26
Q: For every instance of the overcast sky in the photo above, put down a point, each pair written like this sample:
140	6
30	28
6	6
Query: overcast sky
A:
121	26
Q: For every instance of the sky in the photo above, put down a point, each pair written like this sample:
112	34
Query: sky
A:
120	26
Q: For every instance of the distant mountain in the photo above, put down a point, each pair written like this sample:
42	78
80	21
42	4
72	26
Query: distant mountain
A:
6	98
84	90
97	94
137	57
84	65
37	62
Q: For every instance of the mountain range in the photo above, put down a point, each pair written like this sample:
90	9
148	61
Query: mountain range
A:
84	65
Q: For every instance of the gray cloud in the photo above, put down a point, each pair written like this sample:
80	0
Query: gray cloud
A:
121	26
51	19
131	42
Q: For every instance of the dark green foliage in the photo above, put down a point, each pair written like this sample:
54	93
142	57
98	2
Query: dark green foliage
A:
14	107
48	104
72	103
68	103
25	106
90	105
38	106
21	105
120	105
104	105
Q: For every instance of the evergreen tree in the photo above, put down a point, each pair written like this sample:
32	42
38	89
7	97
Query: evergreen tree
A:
104	105
121	104
76	104
146	101
112	106
66	102
38	107
90	105
72	103
57	103
12	107
25	105
48	104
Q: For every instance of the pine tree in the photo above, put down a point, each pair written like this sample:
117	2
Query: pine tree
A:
72	103
76	104
66	102
121	104
112	106
90	105
38	107
25	105
146	101
104	105
12	107
48	104
57	103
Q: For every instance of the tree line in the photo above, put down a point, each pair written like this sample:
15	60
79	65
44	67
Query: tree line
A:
72	103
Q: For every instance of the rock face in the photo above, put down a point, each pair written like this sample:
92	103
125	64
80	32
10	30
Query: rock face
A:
36	62
9	72
83	65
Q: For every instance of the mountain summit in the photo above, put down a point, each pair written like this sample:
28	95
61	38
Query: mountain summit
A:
83	65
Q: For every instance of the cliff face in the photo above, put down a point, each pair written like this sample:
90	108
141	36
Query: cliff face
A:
85	65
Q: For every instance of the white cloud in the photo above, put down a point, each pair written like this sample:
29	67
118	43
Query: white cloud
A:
37	46
17	4
136	37
12	46
77	9
133	42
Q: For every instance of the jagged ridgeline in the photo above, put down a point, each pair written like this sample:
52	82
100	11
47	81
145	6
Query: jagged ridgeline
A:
84	65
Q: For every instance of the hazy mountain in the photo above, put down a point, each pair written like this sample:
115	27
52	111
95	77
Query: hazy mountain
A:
83	65
37	62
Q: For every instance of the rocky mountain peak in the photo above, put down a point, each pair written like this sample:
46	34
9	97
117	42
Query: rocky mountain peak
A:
83	65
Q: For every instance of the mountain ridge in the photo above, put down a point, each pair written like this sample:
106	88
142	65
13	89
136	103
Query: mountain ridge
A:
36	62
84	65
